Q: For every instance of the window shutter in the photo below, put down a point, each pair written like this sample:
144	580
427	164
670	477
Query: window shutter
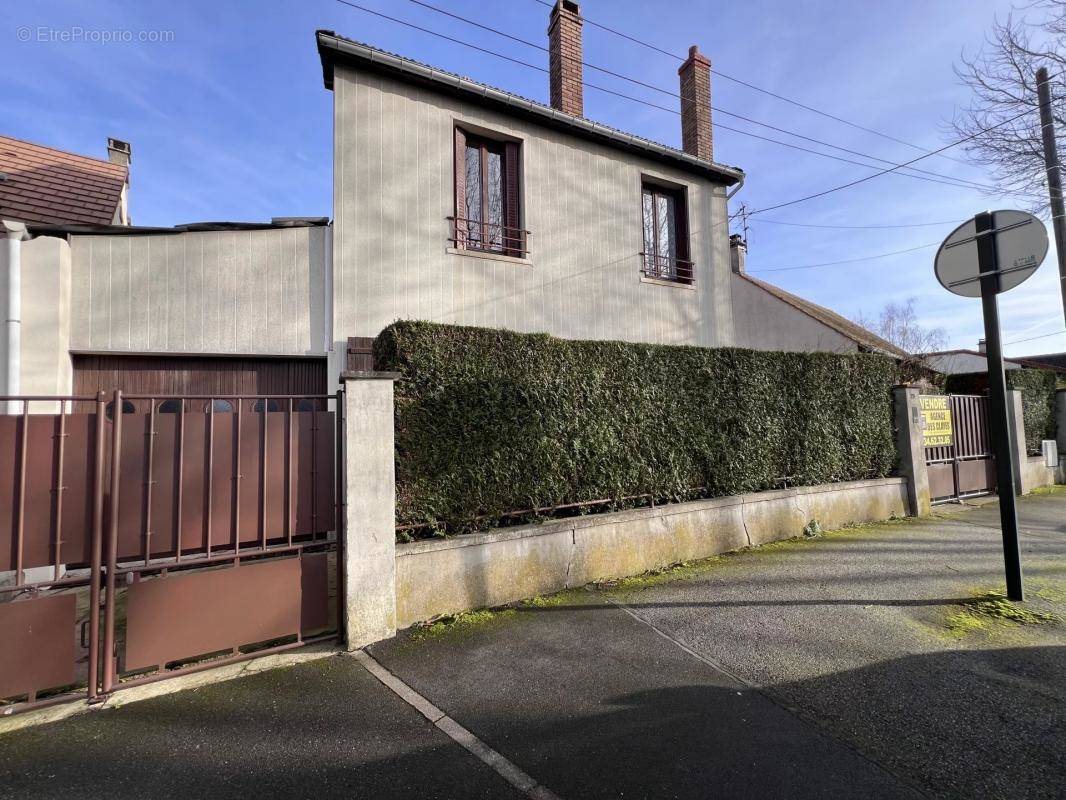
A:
515	243
460	188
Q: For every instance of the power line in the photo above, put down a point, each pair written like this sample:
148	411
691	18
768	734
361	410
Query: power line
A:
891	169
861	227
637	99
1034	338
850	260
636	81
752	86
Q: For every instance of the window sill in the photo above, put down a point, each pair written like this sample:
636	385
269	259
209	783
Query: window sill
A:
661	282
490	256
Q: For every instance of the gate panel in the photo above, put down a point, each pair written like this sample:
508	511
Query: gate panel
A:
38	644
182	616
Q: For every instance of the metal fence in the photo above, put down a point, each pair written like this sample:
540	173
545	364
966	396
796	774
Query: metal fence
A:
163	530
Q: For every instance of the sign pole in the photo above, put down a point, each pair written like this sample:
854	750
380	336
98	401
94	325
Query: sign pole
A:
999	429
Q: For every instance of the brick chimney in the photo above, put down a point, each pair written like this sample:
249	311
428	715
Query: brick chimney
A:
738	253
696	138
564	58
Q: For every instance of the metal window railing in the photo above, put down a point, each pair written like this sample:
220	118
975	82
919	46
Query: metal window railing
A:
667	268
489	237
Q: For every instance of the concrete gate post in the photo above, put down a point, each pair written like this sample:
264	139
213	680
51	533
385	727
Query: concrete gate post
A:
370	508
911	450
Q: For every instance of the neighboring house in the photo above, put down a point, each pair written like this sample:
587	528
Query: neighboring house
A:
1052	361
766	317
952	362
43	185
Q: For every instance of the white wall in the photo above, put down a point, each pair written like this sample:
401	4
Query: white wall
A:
46	285
227	292
765	322
393	192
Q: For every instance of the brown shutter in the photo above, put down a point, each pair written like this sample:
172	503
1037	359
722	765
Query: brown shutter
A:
460	188
514	244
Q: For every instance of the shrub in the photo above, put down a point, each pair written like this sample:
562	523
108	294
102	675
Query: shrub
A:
490	422
1038	399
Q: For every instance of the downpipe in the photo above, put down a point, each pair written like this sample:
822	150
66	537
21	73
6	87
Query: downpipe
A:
11	299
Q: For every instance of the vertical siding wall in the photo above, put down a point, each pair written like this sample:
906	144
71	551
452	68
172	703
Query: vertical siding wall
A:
226	292
393	185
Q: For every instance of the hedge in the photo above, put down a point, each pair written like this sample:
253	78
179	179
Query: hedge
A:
491	422
1038	399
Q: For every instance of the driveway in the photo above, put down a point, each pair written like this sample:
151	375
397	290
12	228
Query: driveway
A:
868	662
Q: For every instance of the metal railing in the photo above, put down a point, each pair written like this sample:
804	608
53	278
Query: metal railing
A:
667	268
474	234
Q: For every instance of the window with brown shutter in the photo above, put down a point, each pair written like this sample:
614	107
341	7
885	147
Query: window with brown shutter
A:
487	216
665	218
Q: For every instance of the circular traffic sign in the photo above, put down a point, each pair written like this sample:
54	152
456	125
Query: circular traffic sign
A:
1021	245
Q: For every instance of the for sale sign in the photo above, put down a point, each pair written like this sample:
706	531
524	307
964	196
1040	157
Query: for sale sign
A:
936	416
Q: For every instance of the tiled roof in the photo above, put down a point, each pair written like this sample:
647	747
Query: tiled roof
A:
1055	361
845	327
54	186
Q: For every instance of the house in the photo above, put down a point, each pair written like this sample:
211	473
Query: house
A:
454	201
766	317
950	362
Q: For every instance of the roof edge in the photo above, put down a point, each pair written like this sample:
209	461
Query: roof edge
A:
334	49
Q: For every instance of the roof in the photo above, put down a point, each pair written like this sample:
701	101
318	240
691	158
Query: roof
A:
334	49
42	184
1055	361
965	352
845	327
191	227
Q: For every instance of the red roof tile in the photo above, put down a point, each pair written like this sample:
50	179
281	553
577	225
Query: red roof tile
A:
48	185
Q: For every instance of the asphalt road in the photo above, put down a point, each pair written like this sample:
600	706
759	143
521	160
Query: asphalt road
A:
834	667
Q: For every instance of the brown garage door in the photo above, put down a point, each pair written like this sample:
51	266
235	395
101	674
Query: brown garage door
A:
190	375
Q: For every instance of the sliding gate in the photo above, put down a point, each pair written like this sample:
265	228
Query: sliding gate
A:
145	536
958	453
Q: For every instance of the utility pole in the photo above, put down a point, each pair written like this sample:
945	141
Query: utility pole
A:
1054	176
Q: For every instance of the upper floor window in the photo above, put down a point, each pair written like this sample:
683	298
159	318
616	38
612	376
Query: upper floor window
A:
666	253
487	216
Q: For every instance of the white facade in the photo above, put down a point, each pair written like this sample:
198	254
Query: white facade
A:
581	201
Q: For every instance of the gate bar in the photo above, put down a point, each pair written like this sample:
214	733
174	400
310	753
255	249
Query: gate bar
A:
20	529
112	544
340	521
58	538
97	541
149	484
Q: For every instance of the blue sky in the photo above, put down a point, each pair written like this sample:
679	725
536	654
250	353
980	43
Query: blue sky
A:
229	119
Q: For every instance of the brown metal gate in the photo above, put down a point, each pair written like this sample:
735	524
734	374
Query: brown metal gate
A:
180	533
966	467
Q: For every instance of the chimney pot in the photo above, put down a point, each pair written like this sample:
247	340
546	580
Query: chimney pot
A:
738	253
564	58
982	346
119	152
696	130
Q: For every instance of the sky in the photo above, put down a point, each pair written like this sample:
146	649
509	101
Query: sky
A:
224	106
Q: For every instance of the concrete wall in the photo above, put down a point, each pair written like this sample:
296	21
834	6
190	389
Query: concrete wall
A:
227	292
393	192
46	288
440	576
765	322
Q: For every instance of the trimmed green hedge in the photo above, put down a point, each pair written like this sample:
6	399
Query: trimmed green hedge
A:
490	422
1038	399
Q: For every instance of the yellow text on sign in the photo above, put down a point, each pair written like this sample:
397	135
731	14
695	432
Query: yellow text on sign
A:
937	416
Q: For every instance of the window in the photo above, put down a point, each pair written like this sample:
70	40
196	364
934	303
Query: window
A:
665	234
171	406
219	406
486	196
127	408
